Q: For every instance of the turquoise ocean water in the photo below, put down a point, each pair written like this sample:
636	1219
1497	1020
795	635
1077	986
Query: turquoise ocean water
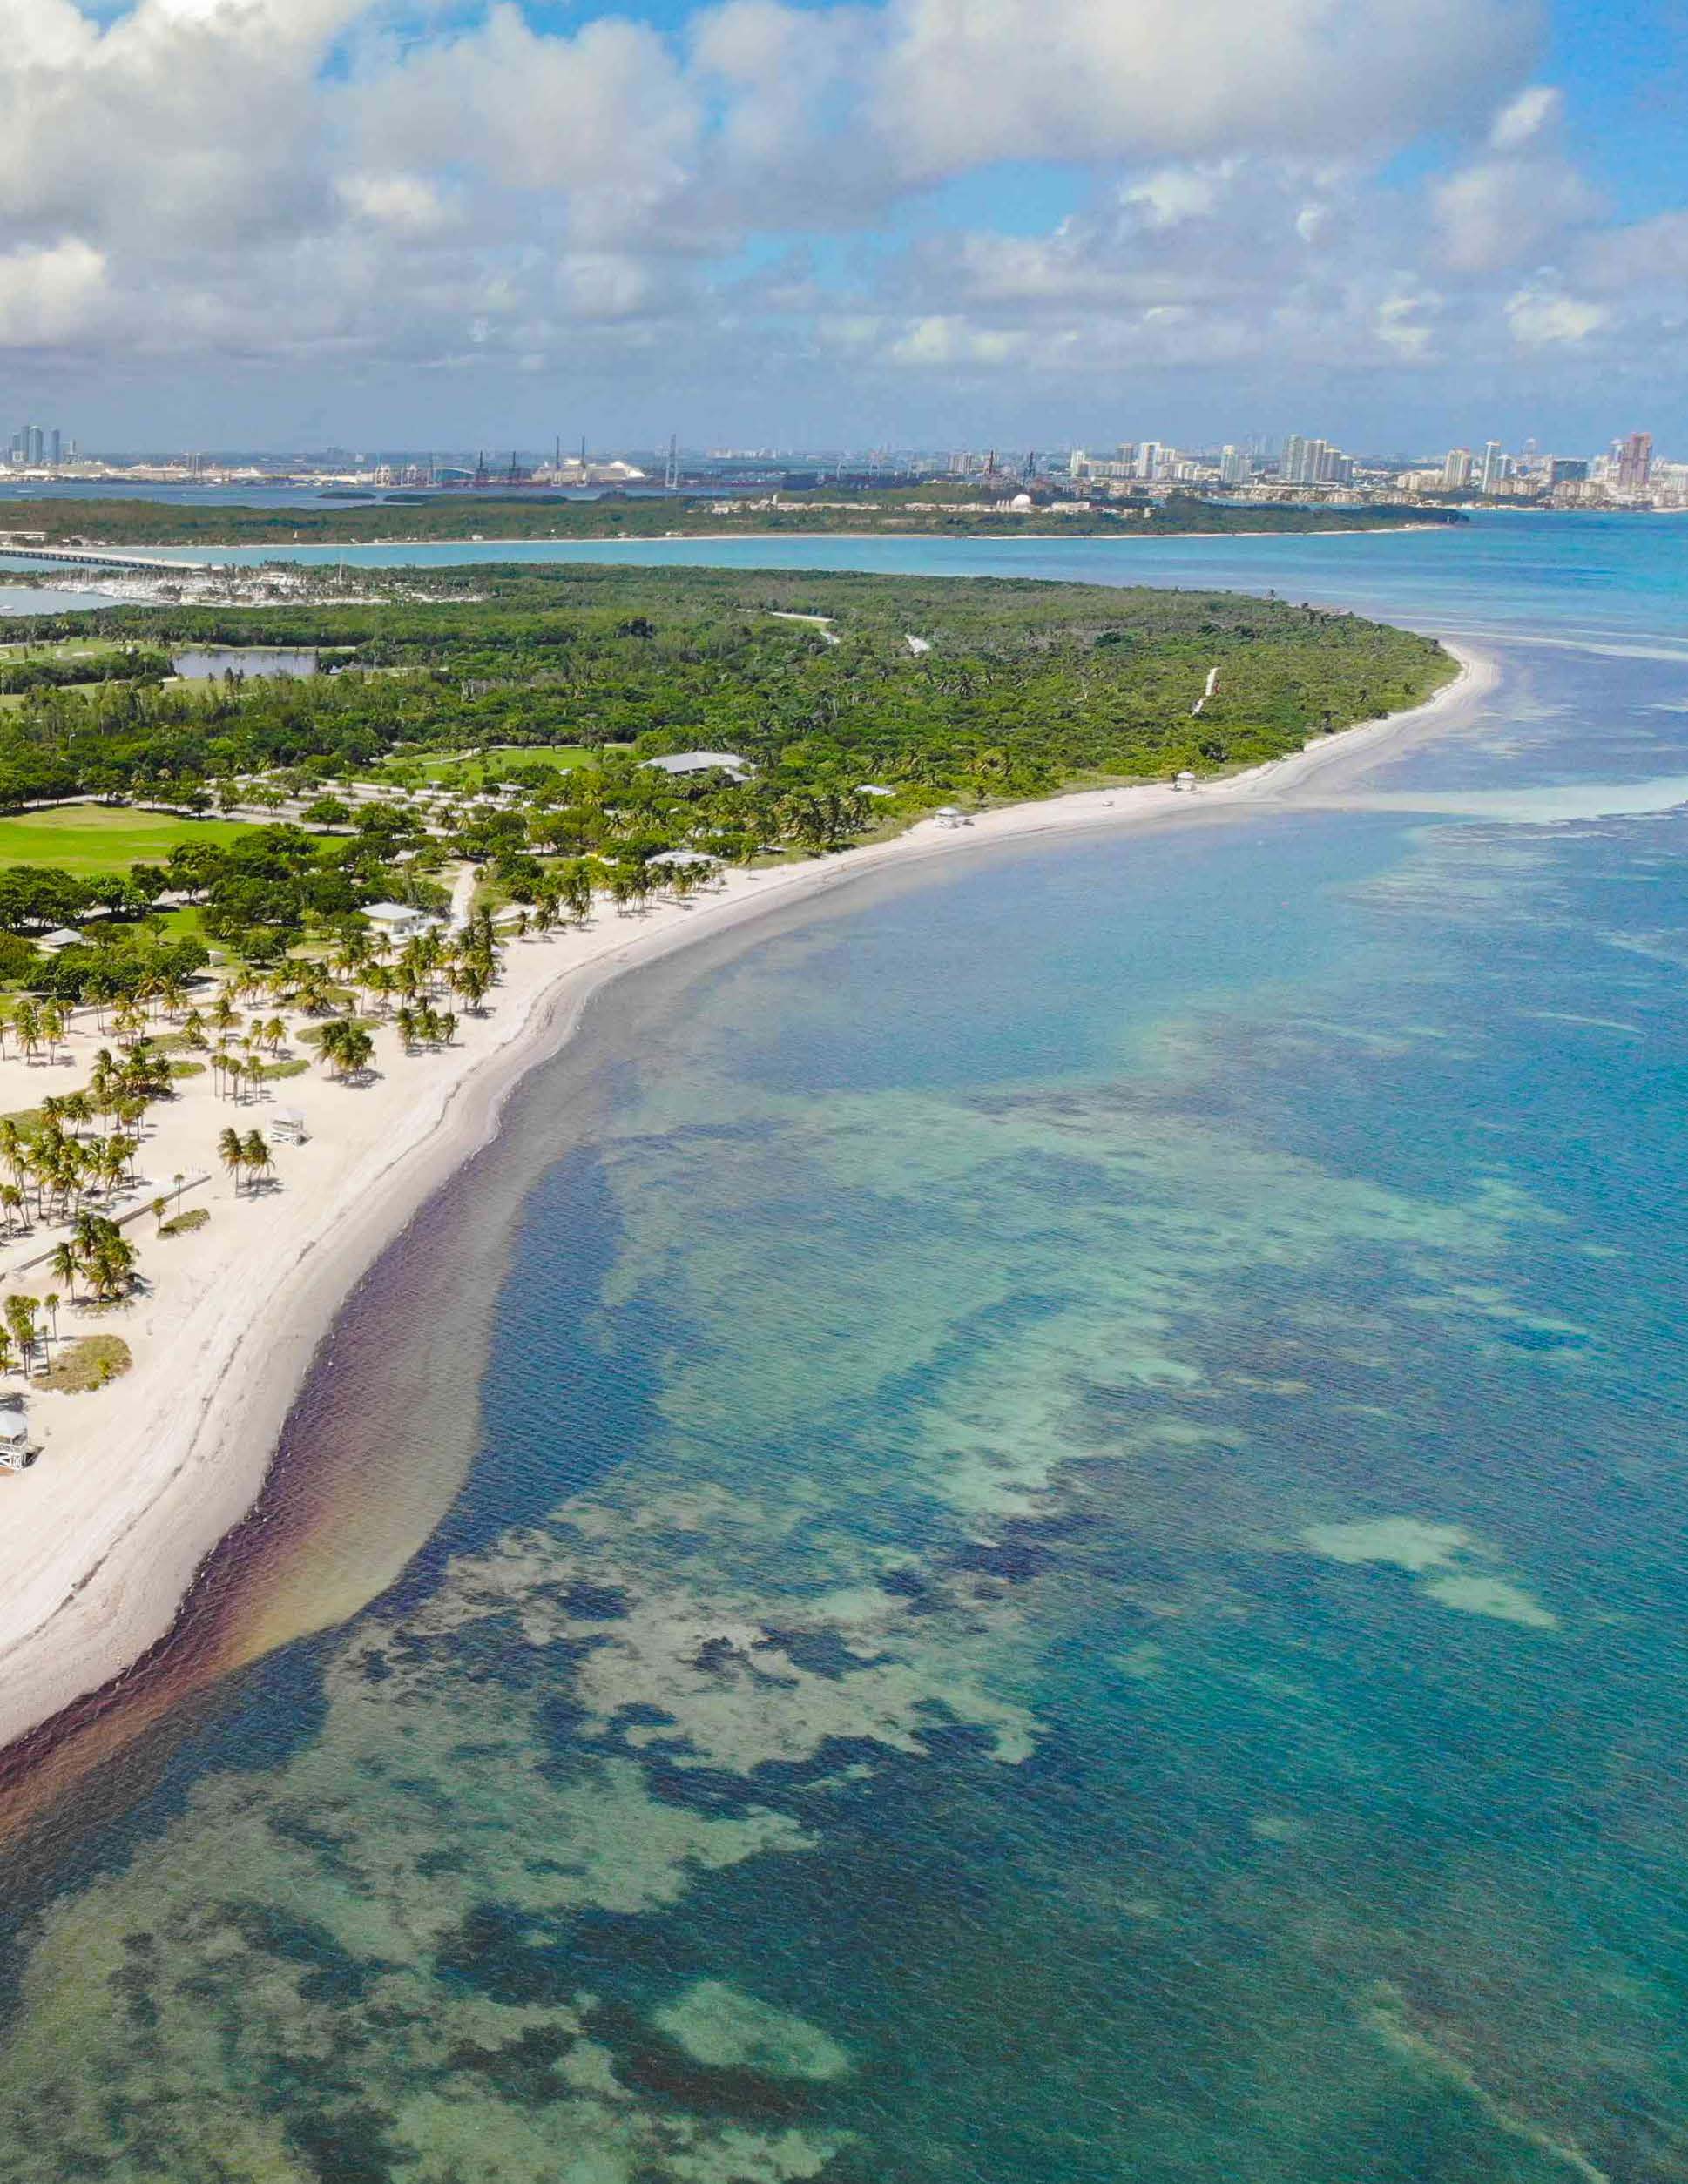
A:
1074	1565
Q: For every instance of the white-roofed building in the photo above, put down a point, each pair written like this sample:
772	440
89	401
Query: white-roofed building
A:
399	920
680	763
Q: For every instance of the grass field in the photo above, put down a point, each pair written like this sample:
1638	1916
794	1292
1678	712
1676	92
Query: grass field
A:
89	837
62	649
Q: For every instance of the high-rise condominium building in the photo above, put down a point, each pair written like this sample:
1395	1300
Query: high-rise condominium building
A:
1235	468
1456	468
1314	462
1635	461
1496	467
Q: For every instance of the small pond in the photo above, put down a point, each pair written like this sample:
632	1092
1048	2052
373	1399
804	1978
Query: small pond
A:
209	662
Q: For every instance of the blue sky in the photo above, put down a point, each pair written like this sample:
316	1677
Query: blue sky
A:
1403	224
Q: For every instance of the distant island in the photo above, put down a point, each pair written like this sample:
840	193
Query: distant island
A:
959	510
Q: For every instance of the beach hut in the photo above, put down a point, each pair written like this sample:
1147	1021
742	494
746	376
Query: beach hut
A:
874	788
62	936
951	815
16	1452
399	920
287	1126
1185	781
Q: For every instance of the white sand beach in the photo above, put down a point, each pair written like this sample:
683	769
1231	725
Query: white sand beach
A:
137	1481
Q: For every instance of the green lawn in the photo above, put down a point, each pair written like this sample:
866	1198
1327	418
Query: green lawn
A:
91	837
63	648
185	923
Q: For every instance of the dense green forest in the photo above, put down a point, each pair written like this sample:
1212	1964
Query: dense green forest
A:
933	690
532	514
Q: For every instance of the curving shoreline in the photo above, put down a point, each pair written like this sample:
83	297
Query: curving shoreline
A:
202	1417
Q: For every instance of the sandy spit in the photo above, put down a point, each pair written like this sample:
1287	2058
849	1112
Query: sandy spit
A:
101	1541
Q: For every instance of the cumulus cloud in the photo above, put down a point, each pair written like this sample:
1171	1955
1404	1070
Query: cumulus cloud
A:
1542	318
1068	80
1529	116
1502	212
1521	198
465	186
50	297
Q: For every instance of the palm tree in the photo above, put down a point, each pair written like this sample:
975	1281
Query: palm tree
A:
52	1303
110	1162
354	1051
20	1321
259	1160
65	1266
232	1151
178	1179
111	1261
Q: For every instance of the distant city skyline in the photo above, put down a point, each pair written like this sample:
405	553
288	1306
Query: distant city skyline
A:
1301	458
239	223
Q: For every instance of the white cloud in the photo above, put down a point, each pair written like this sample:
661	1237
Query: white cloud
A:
1503	211
407	204
1403	322
50	297
1527	117
1173	195
947	342
963	80
1544	317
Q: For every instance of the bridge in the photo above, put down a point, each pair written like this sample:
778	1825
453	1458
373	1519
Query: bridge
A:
13	549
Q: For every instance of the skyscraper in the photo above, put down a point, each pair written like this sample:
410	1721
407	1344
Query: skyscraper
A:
1457	468
1635	461
1497	468
54	448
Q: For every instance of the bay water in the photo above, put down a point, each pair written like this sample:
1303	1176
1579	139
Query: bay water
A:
1070	1559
